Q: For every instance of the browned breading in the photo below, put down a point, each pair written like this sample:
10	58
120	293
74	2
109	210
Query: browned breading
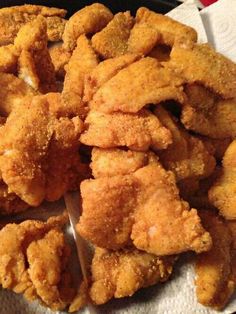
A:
60	57
8	59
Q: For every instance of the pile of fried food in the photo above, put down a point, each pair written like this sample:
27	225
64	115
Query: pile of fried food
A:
139	119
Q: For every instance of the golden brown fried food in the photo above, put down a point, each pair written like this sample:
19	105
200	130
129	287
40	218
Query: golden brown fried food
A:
112	41
161	53
13	18
223	192
141	83
82	62
214	284
89	20
12	93
33	261
137	131
170	30
35	66
187	156
60	57
201	64
121	273
38	159
143	207
8	59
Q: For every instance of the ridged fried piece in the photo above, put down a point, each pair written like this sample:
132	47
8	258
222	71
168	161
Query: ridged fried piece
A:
214	283
170	30
142	207
223	192
104	71
38	159
187	156
13	18
82	62
89	20
121	273
136	131
60	58
202	64
8	59
141	83
33	261
12	93
35	66
112	41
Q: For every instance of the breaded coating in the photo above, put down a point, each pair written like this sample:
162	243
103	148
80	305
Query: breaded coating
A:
112	41
216	147
214	284
170	30
89	20
33	261
81	63
143	38
35	66
121	273
8	59
38	159
161	53
12	93
142	207
141	83
138	131
104	71
223	192
13	18
60	57
202	64
187	156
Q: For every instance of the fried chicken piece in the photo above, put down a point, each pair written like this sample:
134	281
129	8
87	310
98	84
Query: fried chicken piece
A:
112	41
8	59
161	53
141	83
202	64
89	20
38	159
214	284
38	276
143	207
12	93
60	58
187	156
121	273
135	131
35	66
223	192
82	62
170	30
104	71
13	18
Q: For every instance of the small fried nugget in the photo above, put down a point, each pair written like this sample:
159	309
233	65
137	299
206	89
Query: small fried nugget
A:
214	283
121	273
112	41
35	66
223	192
138	131
187	156
60	58
13	18
82	62
142	83
170	30
202	64
89	20
8	59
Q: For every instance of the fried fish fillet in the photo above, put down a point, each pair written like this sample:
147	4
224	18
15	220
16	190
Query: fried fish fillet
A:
112	41
8	59
121	273
13	18
38	159
141	83
214	283
169	29
60	57
82	62
89	20
138	131
35	66
223	192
